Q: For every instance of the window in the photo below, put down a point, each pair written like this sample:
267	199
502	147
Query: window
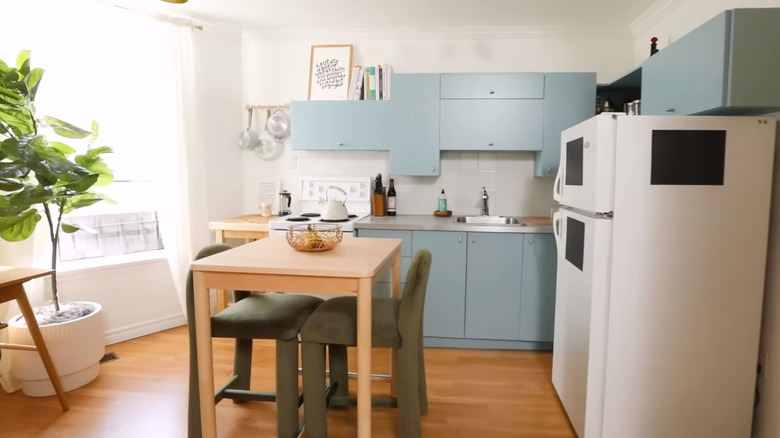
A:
125	80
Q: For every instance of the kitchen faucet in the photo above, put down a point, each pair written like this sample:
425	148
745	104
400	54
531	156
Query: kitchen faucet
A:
485	202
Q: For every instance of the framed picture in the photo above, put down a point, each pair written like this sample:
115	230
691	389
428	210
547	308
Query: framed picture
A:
329	72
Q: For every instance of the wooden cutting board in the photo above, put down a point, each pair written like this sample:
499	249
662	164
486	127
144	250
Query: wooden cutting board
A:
537	220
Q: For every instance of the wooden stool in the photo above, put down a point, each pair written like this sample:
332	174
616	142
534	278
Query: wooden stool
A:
11	280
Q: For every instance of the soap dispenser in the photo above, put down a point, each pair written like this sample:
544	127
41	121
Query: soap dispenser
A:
442	201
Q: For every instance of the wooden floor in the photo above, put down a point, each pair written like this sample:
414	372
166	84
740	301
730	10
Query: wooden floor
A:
472	393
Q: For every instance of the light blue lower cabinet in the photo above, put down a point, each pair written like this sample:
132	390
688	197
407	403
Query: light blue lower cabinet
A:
445	297
537	302
493	286
485	290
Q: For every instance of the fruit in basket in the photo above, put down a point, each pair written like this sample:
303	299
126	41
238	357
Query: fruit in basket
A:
312	239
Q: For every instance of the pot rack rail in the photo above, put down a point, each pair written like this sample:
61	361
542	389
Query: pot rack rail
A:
252	106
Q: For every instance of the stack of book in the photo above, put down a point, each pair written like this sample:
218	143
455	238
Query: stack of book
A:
370	82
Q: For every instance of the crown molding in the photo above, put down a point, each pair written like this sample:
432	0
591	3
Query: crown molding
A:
653	15
492	32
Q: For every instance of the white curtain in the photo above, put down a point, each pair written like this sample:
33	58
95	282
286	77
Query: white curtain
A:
174	212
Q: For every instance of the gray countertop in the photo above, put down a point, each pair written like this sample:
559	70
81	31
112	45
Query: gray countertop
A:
434	223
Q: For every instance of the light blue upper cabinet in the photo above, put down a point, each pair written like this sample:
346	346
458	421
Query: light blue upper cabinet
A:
569	98
729	65
350	125
491	111
413	124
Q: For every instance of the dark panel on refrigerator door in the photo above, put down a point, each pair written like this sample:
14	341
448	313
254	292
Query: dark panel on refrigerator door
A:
575	242
574	162
693	158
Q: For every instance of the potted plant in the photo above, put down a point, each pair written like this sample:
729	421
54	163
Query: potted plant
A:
41	177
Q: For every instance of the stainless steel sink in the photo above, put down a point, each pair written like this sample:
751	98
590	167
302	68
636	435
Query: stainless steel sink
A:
489	220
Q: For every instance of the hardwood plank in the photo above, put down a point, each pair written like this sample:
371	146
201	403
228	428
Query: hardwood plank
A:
472	393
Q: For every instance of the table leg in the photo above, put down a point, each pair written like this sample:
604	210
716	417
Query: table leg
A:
40	344
364	357
208	420
222	298
395	292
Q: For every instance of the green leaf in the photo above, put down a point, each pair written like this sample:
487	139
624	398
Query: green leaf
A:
95	131
83	184
81	201
19	227
64	149
65	129
33	80
10	185
23	61
13	170
68	228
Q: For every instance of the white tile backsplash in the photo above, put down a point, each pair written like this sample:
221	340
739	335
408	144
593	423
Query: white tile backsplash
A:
507	176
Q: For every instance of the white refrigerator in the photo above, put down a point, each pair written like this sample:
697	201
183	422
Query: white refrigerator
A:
662	241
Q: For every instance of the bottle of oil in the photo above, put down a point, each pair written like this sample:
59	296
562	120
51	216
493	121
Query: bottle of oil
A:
391	200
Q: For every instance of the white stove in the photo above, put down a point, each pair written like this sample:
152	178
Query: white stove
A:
312	199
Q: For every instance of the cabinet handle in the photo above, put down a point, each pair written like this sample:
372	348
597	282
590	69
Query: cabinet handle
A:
671	110
433	168
549	169
530	241
473	240
490	144
339	144
492	92
460	239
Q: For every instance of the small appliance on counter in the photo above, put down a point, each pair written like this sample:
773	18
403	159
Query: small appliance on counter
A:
285	200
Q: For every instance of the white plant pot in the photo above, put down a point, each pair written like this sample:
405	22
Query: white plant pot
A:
76	348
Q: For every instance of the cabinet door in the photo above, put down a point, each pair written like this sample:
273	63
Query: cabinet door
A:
414	124
491	125
493	286
492	85
382	289
339	125
537	302
569	98
445	299
688	76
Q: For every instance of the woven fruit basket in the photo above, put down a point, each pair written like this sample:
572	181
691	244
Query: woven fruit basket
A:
314	237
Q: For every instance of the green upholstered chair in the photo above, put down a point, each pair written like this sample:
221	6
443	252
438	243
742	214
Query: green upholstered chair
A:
254	316
396	323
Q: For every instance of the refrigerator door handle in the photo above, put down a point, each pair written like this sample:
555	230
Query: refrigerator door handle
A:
556	226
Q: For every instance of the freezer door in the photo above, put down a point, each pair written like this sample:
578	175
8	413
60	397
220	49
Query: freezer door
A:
582	295
586	172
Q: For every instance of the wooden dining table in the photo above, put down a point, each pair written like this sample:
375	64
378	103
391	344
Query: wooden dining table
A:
272	265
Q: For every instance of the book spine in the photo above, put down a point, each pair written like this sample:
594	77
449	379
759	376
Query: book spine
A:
372	83
353	83
358	91
380	82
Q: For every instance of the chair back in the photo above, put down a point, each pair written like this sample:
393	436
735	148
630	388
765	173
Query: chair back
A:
194	405
410	313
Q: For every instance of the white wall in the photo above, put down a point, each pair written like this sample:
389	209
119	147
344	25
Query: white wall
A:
276	71
684	16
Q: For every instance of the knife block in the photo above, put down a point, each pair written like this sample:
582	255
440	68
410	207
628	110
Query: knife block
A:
378	203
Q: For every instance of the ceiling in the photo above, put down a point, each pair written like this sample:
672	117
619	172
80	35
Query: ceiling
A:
285	15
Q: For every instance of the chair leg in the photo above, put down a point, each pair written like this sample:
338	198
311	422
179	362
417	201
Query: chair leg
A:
408	389
242	366
314	389
286	388
422	383
339	371
193	402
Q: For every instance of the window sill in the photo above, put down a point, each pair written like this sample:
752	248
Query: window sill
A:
110	262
